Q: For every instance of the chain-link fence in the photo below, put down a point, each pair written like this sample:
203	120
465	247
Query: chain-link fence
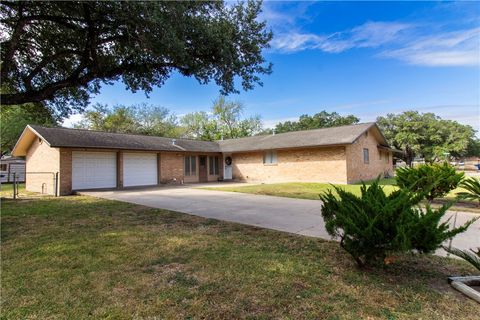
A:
40	182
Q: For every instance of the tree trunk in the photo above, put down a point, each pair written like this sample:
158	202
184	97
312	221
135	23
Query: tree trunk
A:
409	155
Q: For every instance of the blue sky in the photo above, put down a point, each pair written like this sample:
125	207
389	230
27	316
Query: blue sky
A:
361	58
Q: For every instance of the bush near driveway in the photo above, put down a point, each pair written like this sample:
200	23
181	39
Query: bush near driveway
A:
432	180
373	225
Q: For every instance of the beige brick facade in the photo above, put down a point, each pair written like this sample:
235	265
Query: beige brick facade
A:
42	162
380	161
171	169
65	177
325	164
333	164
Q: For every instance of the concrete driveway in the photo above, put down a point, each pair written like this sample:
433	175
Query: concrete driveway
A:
284	214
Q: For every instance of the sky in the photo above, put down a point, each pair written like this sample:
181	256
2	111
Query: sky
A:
362	58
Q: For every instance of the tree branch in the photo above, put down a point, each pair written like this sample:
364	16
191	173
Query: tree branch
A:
12	44
45	61
74	80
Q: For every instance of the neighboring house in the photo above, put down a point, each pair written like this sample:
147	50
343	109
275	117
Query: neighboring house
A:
10	166
88	159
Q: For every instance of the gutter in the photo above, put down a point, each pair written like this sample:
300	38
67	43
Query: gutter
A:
389	148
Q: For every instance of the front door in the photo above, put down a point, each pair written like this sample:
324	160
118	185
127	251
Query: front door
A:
202	169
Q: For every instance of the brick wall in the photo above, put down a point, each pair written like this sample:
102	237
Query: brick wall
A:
65	177
171	167
41	158
357	169
326	164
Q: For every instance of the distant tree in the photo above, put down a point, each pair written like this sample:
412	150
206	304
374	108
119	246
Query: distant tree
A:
156	121
199	125
13	121
224	121
427	135
139	119
61	52
322	119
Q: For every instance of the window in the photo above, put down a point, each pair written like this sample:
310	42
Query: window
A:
190	165
3	167
270	157
387	157
213	166
366	157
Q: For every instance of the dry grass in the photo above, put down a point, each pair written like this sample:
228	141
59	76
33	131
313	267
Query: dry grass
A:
81	257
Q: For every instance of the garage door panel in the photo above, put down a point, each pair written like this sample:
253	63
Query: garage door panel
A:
93	170
139	169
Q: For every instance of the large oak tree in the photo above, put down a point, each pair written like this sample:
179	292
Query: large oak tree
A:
428	136
62	52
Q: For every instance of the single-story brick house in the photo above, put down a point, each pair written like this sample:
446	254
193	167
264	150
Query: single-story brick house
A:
86	159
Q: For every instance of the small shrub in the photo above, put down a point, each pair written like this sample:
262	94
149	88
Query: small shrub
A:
471	256
472	186
373	225
432	180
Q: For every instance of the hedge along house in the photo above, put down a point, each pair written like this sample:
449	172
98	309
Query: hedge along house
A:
86	159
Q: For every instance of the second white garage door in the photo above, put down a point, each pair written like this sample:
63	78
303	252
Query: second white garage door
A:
139	169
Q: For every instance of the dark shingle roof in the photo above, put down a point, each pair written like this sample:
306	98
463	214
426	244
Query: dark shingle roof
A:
77	138
308	138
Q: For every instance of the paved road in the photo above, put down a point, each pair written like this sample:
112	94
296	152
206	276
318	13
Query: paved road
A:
283	214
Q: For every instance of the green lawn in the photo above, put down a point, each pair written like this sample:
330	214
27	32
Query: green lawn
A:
302	190
310	190
7	189
80	257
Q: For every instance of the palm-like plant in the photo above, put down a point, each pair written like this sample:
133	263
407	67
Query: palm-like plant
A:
472	185
471	256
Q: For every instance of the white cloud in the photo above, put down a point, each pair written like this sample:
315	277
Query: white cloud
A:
282	16
72	120
457	48
405	42
292	42
368	35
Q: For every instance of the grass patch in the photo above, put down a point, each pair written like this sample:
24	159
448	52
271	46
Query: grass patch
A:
301	190
6	189
83	257
310	190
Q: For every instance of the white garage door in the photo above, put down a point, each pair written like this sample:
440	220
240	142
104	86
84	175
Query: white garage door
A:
91	170
139	169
